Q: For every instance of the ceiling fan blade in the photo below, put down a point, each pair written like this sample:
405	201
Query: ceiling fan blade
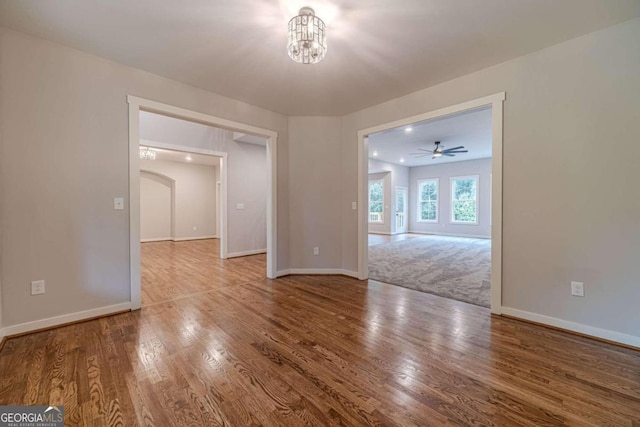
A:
448	154
456	152
420	155
454	148
424	149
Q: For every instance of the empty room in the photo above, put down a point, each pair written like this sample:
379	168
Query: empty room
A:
203	208
333	212
430	206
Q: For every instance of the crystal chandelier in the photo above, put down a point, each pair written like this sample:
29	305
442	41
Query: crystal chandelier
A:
147	153
307	37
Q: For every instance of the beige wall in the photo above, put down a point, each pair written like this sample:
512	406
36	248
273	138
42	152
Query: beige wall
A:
571	132
246	175
64	136
569	206
156	207
195	200
315	187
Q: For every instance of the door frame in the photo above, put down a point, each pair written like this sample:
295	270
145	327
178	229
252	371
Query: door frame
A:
495	101
405	212
136	105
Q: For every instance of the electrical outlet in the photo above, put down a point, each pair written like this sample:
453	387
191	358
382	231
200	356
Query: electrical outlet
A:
316	251
354	205
577	289
118	203
37	287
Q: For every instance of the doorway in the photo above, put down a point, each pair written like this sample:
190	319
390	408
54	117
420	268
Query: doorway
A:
495	103
136	105
401	209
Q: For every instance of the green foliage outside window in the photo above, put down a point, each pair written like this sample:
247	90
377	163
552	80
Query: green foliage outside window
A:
464	200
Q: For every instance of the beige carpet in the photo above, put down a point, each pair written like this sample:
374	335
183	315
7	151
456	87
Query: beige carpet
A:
452	267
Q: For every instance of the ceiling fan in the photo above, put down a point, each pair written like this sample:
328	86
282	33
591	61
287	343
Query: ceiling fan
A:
440	151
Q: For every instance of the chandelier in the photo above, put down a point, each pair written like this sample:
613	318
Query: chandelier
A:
307	37
147	153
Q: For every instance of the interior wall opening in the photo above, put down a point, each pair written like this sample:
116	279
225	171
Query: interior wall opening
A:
429	199
201	196
448	202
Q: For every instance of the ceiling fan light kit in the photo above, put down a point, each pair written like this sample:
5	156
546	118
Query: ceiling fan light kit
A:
307	37
440	151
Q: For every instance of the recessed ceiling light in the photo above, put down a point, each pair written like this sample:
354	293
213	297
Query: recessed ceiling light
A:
401	159
375	154
189	158
409	129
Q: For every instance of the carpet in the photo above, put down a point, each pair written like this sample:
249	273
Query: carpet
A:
452	267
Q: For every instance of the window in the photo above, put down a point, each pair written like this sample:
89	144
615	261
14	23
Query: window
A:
428	200
376	201
464	200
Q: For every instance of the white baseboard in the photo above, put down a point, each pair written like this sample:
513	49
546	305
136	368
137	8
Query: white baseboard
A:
318	271
246	253
384	233
65	318
159	239
574	327
474	236
183	239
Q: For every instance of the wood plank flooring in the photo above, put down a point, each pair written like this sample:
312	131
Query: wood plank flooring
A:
323	350
173	270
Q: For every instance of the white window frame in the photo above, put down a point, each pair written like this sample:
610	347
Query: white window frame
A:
419	198
382	219
451	201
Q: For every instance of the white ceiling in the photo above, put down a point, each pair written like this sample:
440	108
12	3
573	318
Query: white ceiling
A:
471	129
182	157
377	49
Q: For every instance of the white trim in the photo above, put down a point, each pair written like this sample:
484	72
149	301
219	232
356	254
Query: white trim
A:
496	103
474	236
418	207
157	239
385	233
451	210
181	148
496	205
177	239
574	327
321	271
405	213
65	318
246	253
135	105
185	239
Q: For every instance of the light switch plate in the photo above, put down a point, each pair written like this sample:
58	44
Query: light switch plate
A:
577	289
240	206
354	205
118	203
37	287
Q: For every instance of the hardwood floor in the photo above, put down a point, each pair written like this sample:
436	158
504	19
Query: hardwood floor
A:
313	350
173	270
